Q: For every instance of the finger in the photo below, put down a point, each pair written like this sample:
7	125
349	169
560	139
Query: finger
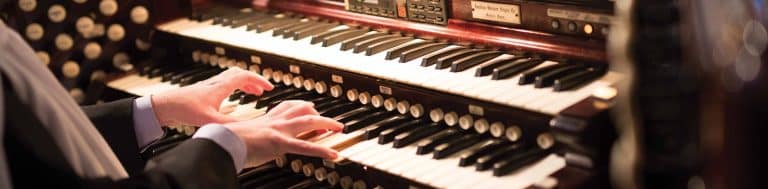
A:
305	123
296	146
252	90
244	80
298	108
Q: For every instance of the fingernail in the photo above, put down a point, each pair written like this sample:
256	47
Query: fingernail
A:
333	155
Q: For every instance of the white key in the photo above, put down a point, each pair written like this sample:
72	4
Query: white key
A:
464	83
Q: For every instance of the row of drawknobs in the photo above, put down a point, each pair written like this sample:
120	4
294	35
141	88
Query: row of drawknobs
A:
81	41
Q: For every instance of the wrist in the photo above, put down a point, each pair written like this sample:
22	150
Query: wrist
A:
159	105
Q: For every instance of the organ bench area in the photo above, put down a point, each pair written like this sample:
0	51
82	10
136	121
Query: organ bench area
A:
458	104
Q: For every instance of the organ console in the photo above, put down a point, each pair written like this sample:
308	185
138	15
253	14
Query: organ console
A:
432	93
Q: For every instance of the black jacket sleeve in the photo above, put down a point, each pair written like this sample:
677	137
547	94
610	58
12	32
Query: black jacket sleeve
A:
35	161
196	163
114	120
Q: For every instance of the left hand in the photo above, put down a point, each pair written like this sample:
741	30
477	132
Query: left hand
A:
198	104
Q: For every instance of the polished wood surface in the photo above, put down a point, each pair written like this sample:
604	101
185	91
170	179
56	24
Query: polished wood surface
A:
459	31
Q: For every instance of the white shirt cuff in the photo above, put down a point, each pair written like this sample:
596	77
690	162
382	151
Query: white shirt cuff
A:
227	140
145	122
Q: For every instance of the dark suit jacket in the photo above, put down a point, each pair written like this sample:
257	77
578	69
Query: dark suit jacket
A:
35	161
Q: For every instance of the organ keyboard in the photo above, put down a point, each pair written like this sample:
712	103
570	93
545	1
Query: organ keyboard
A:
419	110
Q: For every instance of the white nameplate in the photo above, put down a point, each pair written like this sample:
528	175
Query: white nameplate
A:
498	12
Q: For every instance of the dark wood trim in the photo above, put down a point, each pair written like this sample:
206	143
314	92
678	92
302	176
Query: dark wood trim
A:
459	31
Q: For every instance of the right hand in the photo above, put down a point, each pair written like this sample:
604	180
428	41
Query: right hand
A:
275	133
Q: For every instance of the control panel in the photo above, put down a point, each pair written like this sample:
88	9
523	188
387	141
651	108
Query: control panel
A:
386	8
425	11
428	11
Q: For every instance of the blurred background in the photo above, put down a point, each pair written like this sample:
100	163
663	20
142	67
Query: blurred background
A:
690	112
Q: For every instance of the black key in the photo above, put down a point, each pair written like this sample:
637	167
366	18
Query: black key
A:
199	77
301	95
209	13
250	183
421	51
349	44
364	45
325	105
170	72
404	139
509	70
147	69
226	20
288	28
323	36
428	145
578	78
518	161
547	79
486	162
177	77
374	132
333	112
356	124
467	140
321	99
446	61
213	12
242	16
382	46
306	183
257	172
248	98
236	95
333	40
277	88
314	30
530	76
253	25
388	135
344	117
487	69
244	21
432	60
219	20
276	24
396	53
473	60
356	115
331	105
283	182
489	146
266	99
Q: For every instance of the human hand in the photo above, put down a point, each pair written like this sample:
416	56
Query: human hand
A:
198	104
275	133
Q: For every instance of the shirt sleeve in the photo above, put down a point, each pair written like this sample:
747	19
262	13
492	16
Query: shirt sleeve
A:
227	140
148	129
145	122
